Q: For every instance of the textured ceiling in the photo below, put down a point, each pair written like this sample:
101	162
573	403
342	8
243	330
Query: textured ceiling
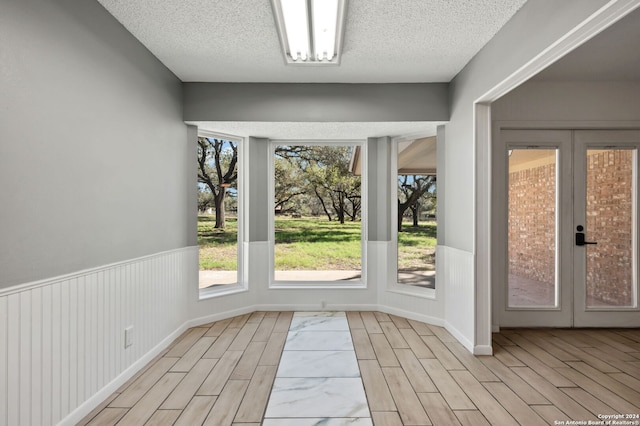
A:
385	40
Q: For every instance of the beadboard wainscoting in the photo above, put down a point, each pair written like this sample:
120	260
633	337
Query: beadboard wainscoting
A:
457	272
62	340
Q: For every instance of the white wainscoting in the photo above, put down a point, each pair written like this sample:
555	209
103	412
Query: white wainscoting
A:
62	340
456	269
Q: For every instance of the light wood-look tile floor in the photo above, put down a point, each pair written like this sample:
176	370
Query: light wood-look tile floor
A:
413	374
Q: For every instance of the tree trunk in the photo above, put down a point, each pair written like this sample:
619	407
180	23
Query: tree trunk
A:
415	211
402	207
219	204
324	207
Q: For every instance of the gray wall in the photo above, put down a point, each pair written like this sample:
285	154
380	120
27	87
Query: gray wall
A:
534	28
595	101
315	102
93	149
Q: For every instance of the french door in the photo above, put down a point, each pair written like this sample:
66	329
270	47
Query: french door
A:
570	228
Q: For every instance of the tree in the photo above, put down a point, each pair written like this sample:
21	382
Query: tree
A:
217	170
411	190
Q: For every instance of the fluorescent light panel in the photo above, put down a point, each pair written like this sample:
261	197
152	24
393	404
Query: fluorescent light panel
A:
310	30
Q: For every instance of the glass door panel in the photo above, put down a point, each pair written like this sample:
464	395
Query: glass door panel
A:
532	228
609	214
605	224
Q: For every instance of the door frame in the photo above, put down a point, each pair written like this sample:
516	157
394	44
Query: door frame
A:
498	196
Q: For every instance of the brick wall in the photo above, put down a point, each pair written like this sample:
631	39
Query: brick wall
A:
609	210
609	203
532	223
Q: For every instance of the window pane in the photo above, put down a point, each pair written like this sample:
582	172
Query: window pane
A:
417	208
532	228
610	223
217	211
318	228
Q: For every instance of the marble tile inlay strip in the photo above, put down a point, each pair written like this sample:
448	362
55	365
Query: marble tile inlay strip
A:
318	381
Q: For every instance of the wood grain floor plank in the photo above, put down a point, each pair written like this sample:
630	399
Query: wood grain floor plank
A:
537	351
273	349
417	345
283	322
244	337
139	387
546	342
104	404
384	352
610	391
552	393
540	367
487	404
226	406
448	360
257	316
399	321
218	327
196	411
501	339
216	380
375	385
255	401
442	334
191	337
448	387
386	418
613	340
149	403
418	378
438	410
239	321
550	413
471	418
222	343
182	394
585	356
514	405
505	357
471	362
629	393
409	407
393	335
189	359
248	362
264	330
370	322
421	328
163	418
524	390
108	416
588	401
355	322
626	379
381	316
362	344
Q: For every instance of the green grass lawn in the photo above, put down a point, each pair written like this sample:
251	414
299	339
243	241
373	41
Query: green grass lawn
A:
417	247
313	244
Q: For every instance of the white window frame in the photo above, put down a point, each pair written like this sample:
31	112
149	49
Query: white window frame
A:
241	284
392	282
359	284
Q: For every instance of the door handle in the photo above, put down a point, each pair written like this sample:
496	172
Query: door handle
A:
580	238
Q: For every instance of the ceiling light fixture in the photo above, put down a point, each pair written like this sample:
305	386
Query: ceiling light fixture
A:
310	30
